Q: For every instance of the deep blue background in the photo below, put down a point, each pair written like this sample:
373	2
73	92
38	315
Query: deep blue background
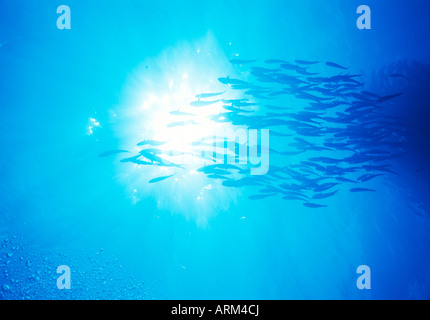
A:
59	204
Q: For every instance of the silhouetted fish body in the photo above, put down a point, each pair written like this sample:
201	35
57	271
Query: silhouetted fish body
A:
362	190
288	197
325	186
314	205
160	179
342	179
208	95
335	65
289	66
304	62
383	168
261	196
112	152
231	81
368	177
131	159
306	73
389	97
319	196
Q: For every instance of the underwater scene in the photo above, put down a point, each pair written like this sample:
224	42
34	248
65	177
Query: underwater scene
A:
203	150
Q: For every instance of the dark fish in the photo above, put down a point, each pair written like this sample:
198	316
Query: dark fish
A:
383	168
342	179
389	97
235	109
230	81
260	70
304	62
137	161
361	190
302	141
160	179
151	151
289	66
292	197
165	163
131	159
368	177
221	166
153	158
313	205
208	95
306	73
261	196
335	65
112	152
323	195
325	186
243	104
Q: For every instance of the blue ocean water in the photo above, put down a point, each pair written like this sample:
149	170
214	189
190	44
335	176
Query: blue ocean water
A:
69	97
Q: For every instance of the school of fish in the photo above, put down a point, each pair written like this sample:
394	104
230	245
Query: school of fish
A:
326	131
